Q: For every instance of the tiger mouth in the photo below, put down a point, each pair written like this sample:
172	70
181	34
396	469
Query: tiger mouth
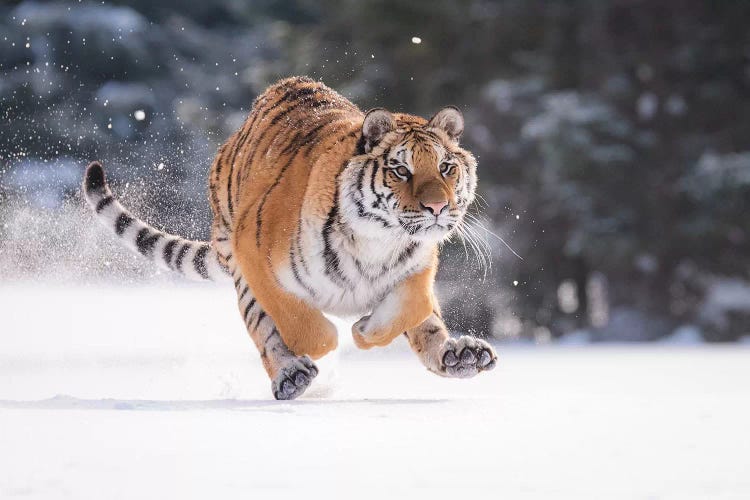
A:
427	226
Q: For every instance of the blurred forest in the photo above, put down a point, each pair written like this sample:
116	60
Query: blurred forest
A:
613	138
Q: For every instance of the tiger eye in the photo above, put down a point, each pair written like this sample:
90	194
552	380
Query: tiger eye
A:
402	171
447	168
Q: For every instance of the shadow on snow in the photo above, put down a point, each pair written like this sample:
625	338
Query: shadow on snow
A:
62	402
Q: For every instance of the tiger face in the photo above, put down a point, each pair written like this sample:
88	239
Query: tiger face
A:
413	180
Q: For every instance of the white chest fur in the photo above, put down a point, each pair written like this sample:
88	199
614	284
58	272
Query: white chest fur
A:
346	275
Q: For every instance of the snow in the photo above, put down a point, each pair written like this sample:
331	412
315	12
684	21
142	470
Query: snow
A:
156	392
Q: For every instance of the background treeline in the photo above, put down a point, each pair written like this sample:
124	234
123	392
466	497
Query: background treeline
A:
613	138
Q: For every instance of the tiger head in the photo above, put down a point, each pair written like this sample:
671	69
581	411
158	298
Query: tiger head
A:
411	179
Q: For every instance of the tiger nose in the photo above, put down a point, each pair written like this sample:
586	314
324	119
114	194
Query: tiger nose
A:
435	207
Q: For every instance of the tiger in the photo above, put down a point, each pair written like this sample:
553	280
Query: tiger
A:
321	208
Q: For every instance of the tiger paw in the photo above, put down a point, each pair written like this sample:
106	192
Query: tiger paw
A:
466	357
366	337
359	334
294	378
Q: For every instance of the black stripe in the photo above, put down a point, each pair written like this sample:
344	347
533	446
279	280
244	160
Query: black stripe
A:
168	251
276	119
361	270
331	258
145	241
299	252
362	212
261	315
122	223
230	206
216	175
311	140
219	153
274	332
239	176
215	203
378	197
221	215
104	203
297	277
433	330
199	261
429	135
248	308
244	292
408	252
365	214
320	103
224	268
181	255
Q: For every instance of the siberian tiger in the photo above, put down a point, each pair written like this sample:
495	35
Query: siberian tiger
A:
319	207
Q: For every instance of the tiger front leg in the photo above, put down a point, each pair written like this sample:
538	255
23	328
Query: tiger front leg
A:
403	308
448	357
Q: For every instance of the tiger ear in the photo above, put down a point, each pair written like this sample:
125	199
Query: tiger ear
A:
449	120
378	122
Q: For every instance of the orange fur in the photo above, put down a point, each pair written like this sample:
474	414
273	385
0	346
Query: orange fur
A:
416	303
283	164
319	207
247	167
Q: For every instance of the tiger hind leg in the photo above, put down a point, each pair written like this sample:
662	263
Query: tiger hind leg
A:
448	357
290	374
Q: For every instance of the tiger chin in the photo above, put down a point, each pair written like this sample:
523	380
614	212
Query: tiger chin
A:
317	208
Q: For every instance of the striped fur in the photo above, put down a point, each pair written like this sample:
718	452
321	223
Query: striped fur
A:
193	259
321	208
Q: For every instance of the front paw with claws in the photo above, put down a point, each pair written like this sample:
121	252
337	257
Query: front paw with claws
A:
467	356
294	378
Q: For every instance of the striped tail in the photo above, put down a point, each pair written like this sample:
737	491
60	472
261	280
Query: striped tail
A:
193	259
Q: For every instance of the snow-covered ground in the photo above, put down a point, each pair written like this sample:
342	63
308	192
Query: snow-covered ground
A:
156	392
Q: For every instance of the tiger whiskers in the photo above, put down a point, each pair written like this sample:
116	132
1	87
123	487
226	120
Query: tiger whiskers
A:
478	223
479	246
